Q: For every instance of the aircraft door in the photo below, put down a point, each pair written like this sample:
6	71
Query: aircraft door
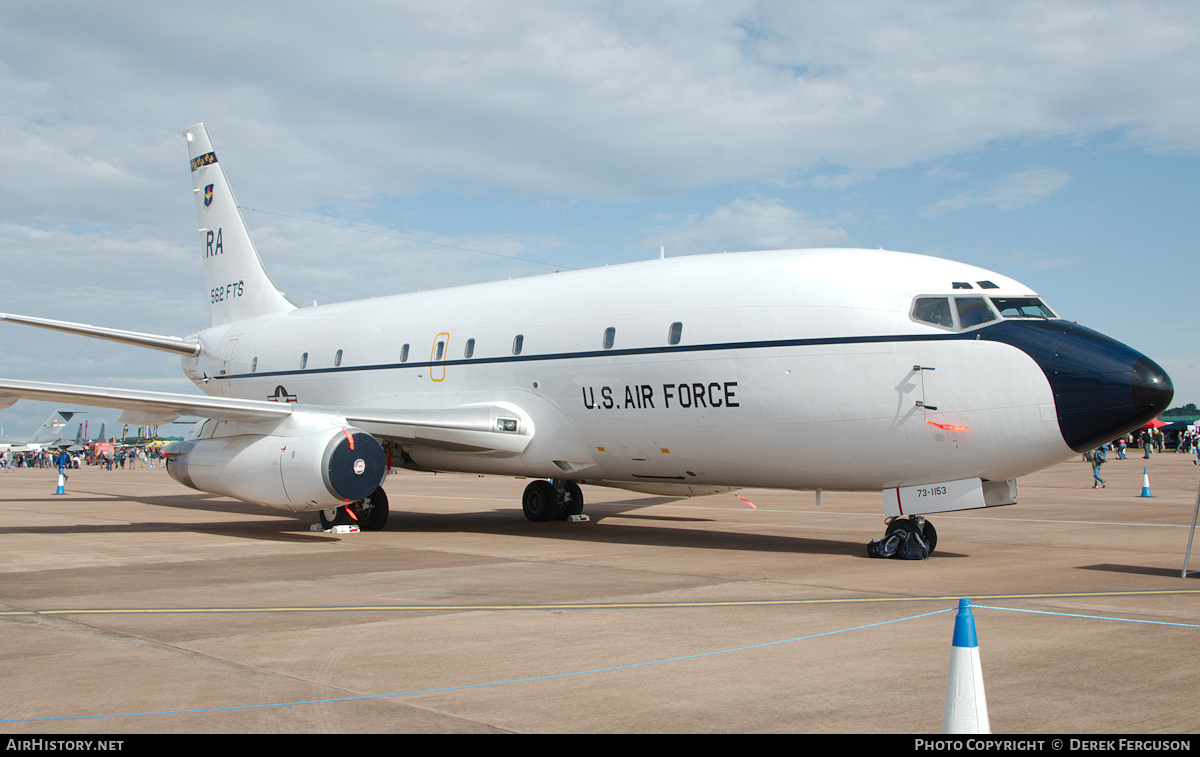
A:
931	400
437	356
226	368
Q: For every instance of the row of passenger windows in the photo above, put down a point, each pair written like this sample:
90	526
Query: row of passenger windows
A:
946	312
965	312
674	335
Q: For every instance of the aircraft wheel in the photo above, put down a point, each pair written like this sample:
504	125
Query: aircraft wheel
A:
329	518
539	501
372	512
572	502
897	525
930	534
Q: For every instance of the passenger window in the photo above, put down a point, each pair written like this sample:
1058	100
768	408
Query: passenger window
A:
404	354
935	310
303	360
610	337
337	358
675	332
518	343
470	348
254	365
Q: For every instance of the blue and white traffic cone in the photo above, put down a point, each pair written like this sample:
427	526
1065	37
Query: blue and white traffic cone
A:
61	480
1145	484
966	705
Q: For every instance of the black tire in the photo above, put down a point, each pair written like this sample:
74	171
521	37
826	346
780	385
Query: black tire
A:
540	501
930	534
372	512
897	525
573	504
328	522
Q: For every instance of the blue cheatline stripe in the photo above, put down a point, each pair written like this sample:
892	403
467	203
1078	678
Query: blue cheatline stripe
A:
589	354
1093	617
477	685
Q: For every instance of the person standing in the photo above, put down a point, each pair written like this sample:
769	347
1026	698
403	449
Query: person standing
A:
1097	461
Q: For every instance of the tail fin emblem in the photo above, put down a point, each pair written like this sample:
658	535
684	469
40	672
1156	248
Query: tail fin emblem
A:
208	195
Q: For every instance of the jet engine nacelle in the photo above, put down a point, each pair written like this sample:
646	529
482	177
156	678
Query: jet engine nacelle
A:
326	468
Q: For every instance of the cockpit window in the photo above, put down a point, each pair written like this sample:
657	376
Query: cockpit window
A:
1022	307
973	311
953	312
935	310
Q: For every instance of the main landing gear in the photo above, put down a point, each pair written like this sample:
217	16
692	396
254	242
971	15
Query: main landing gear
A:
557	499
368	514
914	523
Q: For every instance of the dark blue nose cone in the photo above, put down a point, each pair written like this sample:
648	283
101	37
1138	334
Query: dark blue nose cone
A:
1152	389
1102	388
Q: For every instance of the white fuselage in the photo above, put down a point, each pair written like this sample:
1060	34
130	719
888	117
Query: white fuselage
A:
793	369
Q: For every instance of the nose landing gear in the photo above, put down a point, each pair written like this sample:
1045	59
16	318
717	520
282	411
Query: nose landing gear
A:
915	523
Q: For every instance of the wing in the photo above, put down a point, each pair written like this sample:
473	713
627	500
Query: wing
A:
136	338
481	428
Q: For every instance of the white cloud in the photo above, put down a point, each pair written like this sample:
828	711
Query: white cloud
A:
593	99
1041	262
740	225
326	261
1009	193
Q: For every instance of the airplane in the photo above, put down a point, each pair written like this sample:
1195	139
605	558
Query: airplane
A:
45	436
934	382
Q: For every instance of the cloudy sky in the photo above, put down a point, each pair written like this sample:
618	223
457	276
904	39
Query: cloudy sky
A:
384	147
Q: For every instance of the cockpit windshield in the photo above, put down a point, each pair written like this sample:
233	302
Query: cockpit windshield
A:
957	313
1022	307
935	310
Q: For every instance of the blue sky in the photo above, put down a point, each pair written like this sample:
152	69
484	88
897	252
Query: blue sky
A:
386	147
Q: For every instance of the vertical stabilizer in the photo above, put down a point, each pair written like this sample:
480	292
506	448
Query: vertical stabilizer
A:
55	423
238	285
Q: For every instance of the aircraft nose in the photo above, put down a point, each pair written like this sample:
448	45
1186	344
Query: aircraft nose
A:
1152	388
1102	388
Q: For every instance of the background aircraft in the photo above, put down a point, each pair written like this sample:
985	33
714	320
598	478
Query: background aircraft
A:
47	434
